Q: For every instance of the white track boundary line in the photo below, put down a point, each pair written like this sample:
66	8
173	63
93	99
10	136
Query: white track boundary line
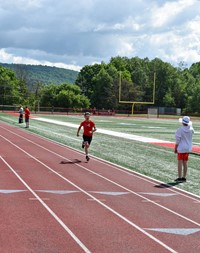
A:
85	249
114	166
86	193
107	179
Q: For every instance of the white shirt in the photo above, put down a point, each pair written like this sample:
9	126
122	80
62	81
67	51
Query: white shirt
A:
184	139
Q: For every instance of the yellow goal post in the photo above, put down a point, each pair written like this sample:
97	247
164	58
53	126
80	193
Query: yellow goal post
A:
137	102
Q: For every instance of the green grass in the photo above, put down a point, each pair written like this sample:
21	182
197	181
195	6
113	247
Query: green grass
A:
154	161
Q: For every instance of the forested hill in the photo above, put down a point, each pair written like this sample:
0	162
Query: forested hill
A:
42	74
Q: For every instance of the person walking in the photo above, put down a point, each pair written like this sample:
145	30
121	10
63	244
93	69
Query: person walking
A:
27	116
88	129
21	112
183	146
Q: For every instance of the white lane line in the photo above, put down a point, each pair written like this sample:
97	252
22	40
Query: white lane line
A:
76	239
86	193
119	185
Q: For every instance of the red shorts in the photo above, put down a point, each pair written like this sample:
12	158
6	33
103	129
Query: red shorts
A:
183	156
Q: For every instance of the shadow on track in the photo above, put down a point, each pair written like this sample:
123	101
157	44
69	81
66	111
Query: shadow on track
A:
167	185
70	162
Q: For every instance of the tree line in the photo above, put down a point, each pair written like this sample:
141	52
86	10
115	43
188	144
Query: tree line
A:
175	86
97	86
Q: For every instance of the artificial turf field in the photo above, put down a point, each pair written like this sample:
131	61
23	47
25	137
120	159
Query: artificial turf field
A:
151	160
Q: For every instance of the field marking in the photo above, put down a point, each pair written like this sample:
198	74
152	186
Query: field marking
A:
86	193
76	239
105	131
105	178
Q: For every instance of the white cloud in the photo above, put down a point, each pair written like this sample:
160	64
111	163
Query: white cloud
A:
168	12
10	58
79	32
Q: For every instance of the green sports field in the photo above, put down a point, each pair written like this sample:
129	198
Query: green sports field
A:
152	160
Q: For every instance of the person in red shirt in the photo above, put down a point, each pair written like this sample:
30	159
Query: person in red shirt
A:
27	116
88	129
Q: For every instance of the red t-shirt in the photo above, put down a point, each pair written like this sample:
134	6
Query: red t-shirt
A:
88	126
27	113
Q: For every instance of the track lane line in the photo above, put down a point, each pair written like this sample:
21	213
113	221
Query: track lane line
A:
76	239
107	179
86	193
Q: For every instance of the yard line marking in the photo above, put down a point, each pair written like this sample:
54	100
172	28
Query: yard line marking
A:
76	239
86	193
105	131
175	231
111	193
158	194
121	186
60	192
11	191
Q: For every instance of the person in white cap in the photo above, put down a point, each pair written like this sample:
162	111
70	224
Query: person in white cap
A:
183	147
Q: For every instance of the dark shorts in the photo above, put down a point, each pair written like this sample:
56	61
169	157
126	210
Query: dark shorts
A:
87	139
26	119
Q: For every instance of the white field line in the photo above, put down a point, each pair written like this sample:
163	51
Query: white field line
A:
107	179
86	193
76	239
107	132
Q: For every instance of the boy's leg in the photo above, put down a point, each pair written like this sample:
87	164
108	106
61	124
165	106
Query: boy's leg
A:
180	163
185	166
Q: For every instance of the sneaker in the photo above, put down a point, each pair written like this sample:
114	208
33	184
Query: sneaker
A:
83	145
87	158
183	179
179	179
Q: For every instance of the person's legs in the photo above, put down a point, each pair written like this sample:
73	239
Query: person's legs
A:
86	144
185	166
27	122
180	164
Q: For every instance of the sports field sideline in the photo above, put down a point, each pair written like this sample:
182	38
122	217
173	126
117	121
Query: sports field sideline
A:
129	142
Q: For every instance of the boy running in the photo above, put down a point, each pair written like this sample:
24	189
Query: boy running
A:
88	129
183	147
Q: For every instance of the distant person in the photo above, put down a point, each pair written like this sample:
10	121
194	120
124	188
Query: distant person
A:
88	129
183	147
21	112
27	116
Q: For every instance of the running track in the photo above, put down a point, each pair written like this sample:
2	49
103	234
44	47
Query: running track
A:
52	201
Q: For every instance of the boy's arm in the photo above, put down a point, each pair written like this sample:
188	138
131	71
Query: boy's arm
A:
78	130
175	149
94	129
178	139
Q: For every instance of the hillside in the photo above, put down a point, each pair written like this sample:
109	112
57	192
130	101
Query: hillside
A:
43	74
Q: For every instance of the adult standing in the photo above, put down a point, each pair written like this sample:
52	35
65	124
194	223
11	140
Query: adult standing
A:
27	116
21	112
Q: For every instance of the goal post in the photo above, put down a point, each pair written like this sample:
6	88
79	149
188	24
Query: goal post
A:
133	102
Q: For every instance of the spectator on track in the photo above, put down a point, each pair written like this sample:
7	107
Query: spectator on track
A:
183	147
27	116
88	129
21	112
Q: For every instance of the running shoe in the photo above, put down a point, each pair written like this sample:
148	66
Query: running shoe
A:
179	179
83	145
87	158
183	179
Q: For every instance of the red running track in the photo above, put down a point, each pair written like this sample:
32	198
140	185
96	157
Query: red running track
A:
53	201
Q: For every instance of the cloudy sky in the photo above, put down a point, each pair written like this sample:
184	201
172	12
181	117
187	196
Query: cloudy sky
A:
73	33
